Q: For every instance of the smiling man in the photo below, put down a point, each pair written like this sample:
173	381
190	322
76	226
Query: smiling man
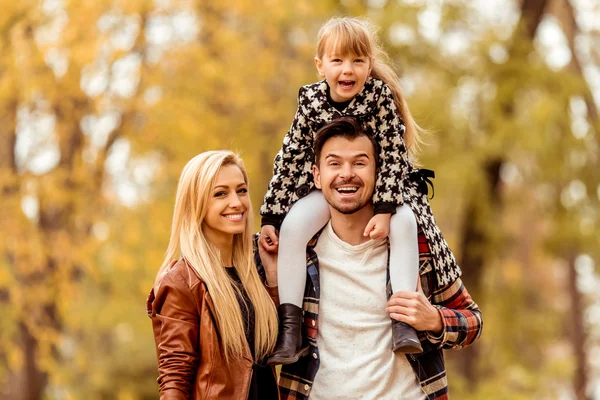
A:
347	304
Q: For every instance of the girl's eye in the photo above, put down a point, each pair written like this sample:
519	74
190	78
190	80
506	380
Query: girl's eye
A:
336	60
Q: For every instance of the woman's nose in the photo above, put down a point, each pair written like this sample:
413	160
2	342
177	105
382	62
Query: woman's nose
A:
235	201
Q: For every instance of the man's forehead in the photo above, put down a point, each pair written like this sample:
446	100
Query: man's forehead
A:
341	146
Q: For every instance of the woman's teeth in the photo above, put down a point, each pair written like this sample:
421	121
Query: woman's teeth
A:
234	217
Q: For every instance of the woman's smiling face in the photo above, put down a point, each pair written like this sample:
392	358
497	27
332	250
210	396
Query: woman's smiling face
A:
228	207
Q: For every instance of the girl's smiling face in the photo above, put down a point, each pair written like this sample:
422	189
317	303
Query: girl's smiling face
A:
227	210
345	74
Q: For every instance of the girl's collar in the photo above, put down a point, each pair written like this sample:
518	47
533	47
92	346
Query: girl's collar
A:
316	106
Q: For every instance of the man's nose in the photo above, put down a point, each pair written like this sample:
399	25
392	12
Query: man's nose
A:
347	171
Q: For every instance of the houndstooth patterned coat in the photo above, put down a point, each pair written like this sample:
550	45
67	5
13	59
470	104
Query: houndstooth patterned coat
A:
397	181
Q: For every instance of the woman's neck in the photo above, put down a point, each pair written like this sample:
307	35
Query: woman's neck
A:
226	252
224	243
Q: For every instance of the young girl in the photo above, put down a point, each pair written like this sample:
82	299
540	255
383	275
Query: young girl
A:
357	82
213	320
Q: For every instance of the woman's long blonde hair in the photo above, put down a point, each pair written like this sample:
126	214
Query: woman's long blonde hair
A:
194	194
352	36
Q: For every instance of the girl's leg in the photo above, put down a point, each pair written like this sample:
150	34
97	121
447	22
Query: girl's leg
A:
305	218
404	272
404	250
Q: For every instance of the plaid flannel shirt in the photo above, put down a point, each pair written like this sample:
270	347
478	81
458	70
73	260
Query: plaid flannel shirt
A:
461	318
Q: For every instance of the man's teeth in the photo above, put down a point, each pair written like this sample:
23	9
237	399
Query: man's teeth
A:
234	216
347	189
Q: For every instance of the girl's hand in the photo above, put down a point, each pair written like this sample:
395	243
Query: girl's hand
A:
379	226
269	261
269	238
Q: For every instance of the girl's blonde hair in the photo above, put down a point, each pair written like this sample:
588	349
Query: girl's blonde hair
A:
351	36
194	194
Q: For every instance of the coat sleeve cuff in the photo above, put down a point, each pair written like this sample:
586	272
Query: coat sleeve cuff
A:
385	208
442	337
271	219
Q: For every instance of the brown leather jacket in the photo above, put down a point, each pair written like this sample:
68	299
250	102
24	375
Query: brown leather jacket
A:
191	363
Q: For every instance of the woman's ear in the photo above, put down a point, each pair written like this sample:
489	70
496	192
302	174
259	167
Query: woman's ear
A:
319	65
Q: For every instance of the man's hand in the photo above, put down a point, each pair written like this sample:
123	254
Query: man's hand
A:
269	238
414	309
269	261
379	226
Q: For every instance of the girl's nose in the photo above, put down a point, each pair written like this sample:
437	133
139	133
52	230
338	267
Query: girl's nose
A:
347	67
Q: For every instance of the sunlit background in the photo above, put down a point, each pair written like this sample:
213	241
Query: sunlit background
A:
103	102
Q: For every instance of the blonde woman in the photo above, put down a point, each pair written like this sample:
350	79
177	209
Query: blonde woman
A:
214	321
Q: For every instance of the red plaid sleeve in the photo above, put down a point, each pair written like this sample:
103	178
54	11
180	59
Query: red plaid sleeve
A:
460	315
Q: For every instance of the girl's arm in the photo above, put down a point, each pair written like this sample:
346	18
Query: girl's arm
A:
393	168
292	165
176	335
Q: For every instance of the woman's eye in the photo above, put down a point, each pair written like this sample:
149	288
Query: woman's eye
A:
220	194
243	191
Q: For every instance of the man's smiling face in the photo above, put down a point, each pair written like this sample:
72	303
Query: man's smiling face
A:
346	173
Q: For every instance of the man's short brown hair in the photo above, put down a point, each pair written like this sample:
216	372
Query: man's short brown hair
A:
346	127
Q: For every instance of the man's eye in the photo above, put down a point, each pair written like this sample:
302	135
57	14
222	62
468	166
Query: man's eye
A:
334	164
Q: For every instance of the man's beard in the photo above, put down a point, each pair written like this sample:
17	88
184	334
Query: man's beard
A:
348	208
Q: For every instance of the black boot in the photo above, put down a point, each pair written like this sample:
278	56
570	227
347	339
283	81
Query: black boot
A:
289	342
404	338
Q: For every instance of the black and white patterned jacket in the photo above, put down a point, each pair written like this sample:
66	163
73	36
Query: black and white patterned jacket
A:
397	180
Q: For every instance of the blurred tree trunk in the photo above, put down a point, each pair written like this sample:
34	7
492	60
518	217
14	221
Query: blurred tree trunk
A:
477	241
577	332
564	13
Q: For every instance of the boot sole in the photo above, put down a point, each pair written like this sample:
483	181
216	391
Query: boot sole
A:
408	347
276	360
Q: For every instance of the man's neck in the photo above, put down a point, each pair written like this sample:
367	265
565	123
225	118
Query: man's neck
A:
351	227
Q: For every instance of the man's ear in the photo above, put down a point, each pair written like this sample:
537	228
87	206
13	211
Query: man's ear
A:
316	176
319	65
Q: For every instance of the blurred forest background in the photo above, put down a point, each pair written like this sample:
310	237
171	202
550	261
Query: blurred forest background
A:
103	102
